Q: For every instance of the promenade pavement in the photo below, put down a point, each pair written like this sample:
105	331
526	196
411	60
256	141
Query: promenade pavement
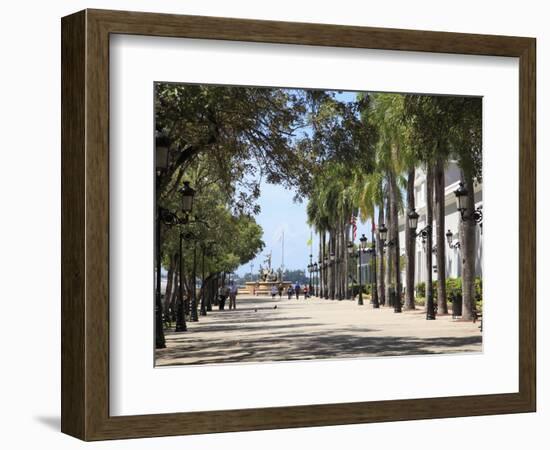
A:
262	329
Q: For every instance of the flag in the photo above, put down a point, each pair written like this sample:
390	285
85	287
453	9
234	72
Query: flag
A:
353	222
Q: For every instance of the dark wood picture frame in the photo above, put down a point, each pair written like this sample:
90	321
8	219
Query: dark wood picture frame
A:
85	224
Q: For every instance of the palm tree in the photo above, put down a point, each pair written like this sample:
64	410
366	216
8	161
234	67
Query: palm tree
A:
369	191
430	308
387	113
410	242
465	138
329	208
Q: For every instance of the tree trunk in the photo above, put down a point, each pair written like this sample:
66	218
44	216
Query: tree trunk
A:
441	240
395	239
381	285
175	290
169	284
388	258
347	284
337	265
193	306
374	285
343	261
468	248
332	265
410	244
430	309
325	266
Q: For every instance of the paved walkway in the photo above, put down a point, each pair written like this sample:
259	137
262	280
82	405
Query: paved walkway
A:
312	329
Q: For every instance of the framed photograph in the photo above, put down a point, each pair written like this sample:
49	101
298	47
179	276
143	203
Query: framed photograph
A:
273	225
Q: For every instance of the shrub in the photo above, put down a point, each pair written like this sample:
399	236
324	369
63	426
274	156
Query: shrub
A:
421	289
355	289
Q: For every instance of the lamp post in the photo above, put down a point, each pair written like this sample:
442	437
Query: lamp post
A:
187	195
203	286
310	269
362	249
424	233
449	236
325	277
356	255
391	243
383	231
332	276
374	293
461	195
316	279
162	145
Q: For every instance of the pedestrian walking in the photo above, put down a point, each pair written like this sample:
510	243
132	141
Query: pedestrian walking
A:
221	298
306	292
280	290
233	295
273	292
289	292
297	290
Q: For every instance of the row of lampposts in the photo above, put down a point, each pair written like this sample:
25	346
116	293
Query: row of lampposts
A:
187	195
461	195
320	268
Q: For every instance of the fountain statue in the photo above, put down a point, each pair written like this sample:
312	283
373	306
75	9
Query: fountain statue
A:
267	277
267	273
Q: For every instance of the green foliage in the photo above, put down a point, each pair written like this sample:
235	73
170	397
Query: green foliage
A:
355	289
342	156
453	286
440	127
421	289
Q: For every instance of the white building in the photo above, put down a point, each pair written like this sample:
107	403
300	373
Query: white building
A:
452	221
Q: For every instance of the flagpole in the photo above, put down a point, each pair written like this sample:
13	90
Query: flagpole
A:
283	258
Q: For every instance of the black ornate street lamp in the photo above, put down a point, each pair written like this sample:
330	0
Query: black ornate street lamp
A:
413	219
362	249
162	146
383	232
353	254
424	233
187	194
203	286
449	236
461	195
325	277
316	281
374	293
332	277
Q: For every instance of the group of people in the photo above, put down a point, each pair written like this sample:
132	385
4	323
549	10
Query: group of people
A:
291	291
230	292
225	292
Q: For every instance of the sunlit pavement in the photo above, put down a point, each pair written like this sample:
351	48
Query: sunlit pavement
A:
262	329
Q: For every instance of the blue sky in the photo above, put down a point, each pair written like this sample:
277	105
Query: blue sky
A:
280	213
